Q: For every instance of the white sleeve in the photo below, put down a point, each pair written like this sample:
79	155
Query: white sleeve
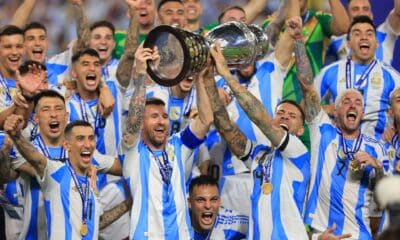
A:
104	162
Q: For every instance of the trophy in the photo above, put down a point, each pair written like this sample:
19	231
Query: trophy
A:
184	53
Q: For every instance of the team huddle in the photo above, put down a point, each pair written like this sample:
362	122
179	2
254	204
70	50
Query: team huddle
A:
288	147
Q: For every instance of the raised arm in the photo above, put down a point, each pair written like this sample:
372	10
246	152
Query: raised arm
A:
235	139
394	17
22	14
125	65
312	102
201	123
250	104
340	20
253	8
138	99
273	29
284	46
82	26
13	126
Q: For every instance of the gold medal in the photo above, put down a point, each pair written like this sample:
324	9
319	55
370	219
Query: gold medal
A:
267	188
84	229
354	166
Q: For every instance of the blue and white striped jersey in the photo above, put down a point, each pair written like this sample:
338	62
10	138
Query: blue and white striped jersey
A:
379	83
229	225
159	208
278	214
385	36
336	194
63	204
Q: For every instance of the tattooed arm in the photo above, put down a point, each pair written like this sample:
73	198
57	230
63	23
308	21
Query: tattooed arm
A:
110	216
235	139
13	126
6	172
250	104
23	13
138	99
82	26
125	65
312	102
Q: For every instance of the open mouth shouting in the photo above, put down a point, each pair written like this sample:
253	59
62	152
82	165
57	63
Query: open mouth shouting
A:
54	126
207	219
364	48
351	116
91	80
86	156
37	52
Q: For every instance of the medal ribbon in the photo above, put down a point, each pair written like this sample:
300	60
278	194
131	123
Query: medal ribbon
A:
45	150
97	120
266	166
84	196
355	147
362	82
395	144
166	168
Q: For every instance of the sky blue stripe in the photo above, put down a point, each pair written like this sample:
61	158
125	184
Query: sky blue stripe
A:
11	192
33	223
53	70
278	231
329	81
244	122
255	198
300	188
227	167
363	230
263	75
65	186
91	215
116	113
380	37
143	221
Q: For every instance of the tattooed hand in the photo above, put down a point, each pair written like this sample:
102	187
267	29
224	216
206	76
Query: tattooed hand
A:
141	57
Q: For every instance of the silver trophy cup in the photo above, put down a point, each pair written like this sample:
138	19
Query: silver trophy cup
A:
183	54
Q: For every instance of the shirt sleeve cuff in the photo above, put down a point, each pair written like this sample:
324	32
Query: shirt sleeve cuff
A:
189	139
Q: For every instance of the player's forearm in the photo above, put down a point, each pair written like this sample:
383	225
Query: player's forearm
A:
125	66
82	28
5	113
115	213
253	8
136	110
22	14
340	20
6	172
235	139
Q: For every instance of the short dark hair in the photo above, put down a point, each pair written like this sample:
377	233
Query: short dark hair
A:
162	2
154	101
222	14
9	30
34	25
202	180
86	51
360	19
77	123
25	66
294	103
103	23
49	94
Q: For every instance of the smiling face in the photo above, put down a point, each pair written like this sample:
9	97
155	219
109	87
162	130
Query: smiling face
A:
359	8
102	40
52	117
80	144
36	44
193	10
290	118
204	203
363	43
87	71
349	111
147	12
155	126
11	52
172	13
